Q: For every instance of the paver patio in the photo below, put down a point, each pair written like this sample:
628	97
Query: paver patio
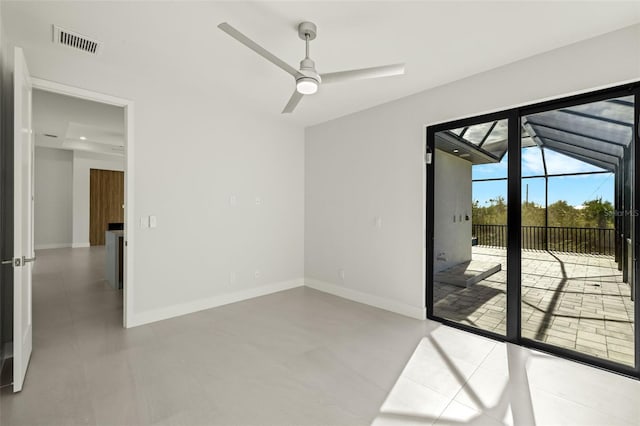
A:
574	301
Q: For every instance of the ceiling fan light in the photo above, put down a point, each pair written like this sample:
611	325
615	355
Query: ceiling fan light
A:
307	86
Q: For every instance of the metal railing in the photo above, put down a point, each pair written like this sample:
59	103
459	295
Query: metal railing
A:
599	241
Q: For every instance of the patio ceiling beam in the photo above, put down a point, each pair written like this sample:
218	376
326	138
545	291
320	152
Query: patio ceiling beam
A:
543	176
486	136
620	102
597	151
571	132
596	117
468	144
611	168
601	159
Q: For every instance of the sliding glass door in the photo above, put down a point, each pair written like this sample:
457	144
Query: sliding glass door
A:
531	226
470	225
577	228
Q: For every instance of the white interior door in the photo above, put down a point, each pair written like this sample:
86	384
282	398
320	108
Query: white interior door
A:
23	247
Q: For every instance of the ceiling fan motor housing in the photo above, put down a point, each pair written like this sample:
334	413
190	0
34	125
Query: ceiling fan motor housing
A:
308	68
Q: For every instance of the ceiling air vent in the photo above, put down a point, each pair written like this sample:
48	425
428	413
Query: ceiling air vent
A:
75	40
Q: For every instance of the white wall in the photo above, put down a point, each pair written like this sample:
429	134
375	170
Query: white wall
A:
452	190
370	164
53	198
83	162
194	150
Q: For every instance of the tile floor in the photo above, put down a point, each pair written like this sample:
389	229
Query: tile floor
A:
454	378
577	302
298	357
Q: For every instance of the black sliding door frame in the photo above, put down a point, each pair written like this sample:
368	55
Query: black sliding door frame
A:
430	212
514	220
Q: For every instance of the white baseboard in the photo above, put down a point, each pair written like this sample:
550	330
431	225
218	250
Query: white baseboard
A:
80	245
367	299
200	305
52	246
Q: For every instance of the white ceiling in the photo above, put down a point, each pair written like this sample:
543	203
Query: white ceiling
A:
440	42
77	124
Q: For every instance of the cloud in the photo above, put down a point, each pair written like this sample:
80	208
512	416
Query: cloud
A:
532	162
556	163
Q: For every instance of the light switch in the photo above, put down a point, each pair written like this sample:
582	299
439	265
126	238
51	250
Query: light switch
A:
233	200
153	222
144	222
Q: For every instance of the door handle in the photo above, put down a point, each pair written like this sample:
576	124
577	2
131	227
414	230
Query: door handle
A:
15	262
26	260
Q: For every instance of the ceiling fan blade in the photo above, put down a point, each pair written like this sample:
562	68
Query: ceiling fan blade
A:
373	72
258	49
293	102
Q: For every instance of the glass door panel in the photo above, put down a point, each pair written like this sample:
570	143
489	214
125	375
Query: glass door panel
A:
577	229
470	226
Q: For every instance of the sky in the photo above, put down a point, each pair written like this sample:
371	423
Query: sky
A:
575	190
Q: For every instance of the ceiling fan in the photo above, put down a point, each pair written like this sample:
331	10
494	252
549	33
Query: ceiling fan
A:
307	78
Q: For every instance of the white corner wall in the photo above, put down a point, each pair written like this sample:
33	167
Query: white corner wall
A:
83	162
53	198
452	232
369	165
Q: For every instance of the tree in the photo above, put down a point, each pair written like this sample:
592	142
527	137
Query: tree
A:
532	214
597	213
563	214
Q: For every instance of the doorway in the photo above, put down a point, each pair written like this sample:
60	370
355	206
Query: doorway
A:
533	238
93	159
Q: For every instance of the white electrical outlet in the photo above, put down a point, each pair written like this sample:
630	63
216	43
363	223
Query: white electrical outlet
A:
258	201
153	222
144	222
342	274
232	278
257	274
233	200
